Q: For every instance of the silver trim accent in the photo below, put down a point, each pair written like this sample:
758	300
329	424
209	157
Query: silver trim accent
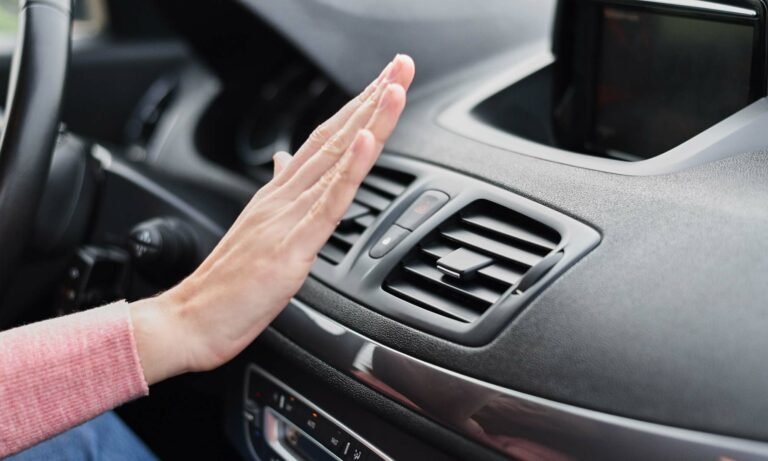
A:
707	6
517	424
265	374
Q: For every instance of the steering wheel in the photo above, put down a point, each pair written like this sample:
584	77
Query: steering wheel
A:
35	92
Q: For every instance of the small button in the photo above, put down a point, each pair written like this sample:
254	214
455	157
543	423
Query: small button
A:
275	396
313	424
294	410
424	207
257	389
389	240
355	451
336	441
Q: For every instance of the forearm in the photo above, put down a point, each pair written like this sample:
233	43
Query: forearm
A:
59	373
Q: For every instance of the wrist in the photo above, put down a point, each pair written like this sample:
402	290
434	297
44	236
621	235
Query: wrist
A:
159	338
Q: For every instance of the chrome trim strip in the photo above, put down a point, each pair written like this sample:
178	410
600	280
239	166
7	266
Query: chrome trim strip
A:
707	6
517	424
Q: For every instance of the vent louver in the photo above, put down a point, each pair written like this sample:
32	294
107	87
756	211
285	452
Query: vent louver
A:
472	259
379	189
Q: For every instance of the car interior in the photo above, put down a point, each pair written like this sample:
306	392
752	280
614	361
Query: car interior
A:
558	255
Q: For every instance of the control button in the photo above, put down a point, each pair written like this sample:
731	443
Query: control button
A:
258	390
145	242
424	207
314	425
389	240
355	451
163	249
336	441
294	410
275	397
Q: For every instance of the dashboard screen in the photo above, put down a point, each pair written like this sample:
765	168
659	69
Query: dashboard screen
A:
662	79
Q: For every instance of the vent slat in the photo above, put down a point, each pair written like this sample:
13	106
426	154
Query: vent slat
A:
487	245
365	221
332	253
437	249
372	199
350	237
501	273
472	289
428	299
376	193
384	184
498	226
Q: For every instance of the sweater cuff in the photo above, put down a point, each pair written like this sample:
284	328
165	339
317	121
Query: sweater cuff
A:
62	372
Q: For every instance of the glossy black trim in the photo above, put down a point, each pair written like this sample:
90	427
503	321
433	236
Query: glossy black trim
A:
517	424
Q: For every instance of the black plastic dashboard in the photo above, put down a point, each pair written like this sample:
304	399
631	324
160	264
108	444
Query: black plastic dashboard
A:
661	322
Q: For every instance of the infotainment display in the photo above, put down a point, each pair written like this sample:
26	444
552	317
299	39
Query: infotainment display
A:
662	78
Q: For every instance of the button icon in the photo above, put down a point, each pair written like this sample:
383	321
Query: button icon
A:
393	236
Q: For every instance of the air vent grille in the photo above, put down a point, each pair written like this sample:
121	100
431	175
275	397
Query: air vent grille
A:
379	189
505	244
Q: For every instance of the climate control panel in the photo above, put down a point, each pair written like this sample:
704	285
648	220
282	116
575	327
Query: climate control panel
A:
281	425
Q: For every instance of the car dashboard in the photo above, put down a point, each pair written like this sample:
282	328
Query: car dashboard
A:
560	254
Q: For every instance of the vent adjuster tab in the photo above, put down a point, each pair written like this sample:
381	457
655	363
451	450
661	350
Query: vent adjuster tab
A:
463	264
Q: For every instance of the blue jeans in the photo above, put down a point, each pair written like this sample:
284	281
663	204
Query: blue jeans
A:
105	437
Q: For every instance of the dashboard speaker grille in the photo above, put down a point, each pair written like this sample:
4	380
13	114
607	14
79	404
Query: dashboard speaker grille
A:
499	248
379	189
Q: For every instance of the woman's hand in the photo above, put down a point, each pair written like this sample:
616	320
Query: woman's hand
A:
265	257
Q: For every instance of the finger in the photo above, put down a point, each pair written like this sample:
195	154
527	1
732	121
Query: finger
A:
281	160
382	118
400	71
332	197
407	71
327	129
333	149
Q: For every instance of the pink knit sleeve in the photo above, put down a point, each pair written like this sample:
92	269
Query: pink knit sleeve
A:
62	372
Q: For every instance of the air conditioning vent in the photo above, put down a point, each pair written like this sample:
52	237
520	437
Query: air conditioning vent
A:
473	259
379	189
